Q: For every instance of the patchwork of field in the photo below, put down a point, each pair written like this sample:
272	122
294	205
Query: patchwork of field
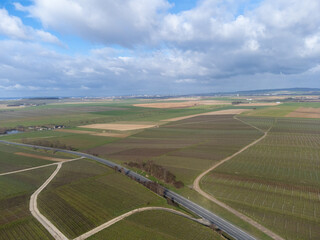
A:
285	109
181	104
303	112
156	225
275	182
85	194
16	221
31	155
73	115
80	141
10	161
185	147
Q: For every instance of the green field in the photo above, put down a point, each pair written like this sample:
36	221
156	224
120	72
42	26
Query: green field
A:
280	110
85	194
73	115
156	225
16	221
12	162
276	182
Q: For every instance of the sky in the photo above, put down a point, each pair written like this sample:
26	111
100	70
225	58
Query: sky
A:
147	47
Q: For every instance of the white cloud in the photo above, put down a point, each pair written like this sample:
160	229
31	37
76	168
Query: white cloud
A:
13	27
212	45
125	22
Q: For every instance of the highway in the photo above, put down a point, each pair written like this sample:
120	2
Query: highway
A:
224	225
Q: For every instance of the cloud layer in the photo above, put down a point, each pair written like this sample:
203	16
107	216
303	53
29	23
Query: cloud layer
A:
144	48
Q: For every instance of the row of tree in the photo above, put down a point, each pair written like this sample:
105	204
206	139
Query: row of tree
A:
157	171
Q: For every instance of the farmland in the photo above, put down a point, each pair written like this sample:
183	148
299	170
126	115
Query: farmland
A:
282	110
170	145
16	221
156	225
10	161
86	194
275	182
72	115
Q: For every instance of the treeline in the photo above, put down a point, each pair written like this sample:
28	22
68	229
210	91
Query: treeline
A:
157	171
46	143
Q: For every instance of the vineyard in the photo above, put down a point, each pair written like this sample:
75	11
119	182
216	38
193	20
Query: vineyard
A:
16	221
185	147
156	225
11	162
86	194
277	181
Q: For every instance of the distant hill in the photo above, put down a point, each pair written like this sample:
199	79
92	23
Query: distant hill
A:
282	91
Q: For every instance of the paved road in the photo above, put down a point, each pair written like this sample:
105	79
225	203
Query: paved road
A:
224	225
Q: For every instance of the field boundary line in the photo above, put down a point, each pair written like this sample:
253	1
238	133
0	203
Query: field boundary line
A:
33	168
251	125
196	187
125	215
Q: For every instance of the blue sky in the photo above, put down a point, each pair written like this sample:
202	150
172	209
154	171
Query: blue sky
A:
106	47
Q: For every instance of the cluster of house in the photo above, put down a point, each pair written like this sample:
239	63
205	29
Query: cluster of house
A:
44	128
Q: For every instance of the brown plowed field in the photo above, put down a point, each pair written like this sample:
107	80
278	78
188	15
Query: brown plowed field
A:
222	112
40	157
102	134
305	113
258	104
118	126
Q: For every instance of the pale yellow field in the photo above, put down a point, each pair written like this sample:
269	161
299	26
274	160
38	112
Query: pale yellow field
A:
5	106
258	104
222	112
101	134
119	126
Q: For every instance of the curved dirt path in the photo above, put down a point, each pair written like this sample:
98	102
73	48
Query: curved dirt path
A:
123	216
196	187
36	213
33	168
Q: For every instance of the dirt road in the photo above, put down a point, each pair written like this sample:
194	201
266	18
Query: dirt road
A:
123	216
36	213
196	187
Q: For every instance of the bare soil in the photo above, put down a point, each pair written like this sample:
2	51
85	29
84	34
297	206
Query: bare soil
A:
119	126
258	104
40	157
305	113
222	112
101	134
5	106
